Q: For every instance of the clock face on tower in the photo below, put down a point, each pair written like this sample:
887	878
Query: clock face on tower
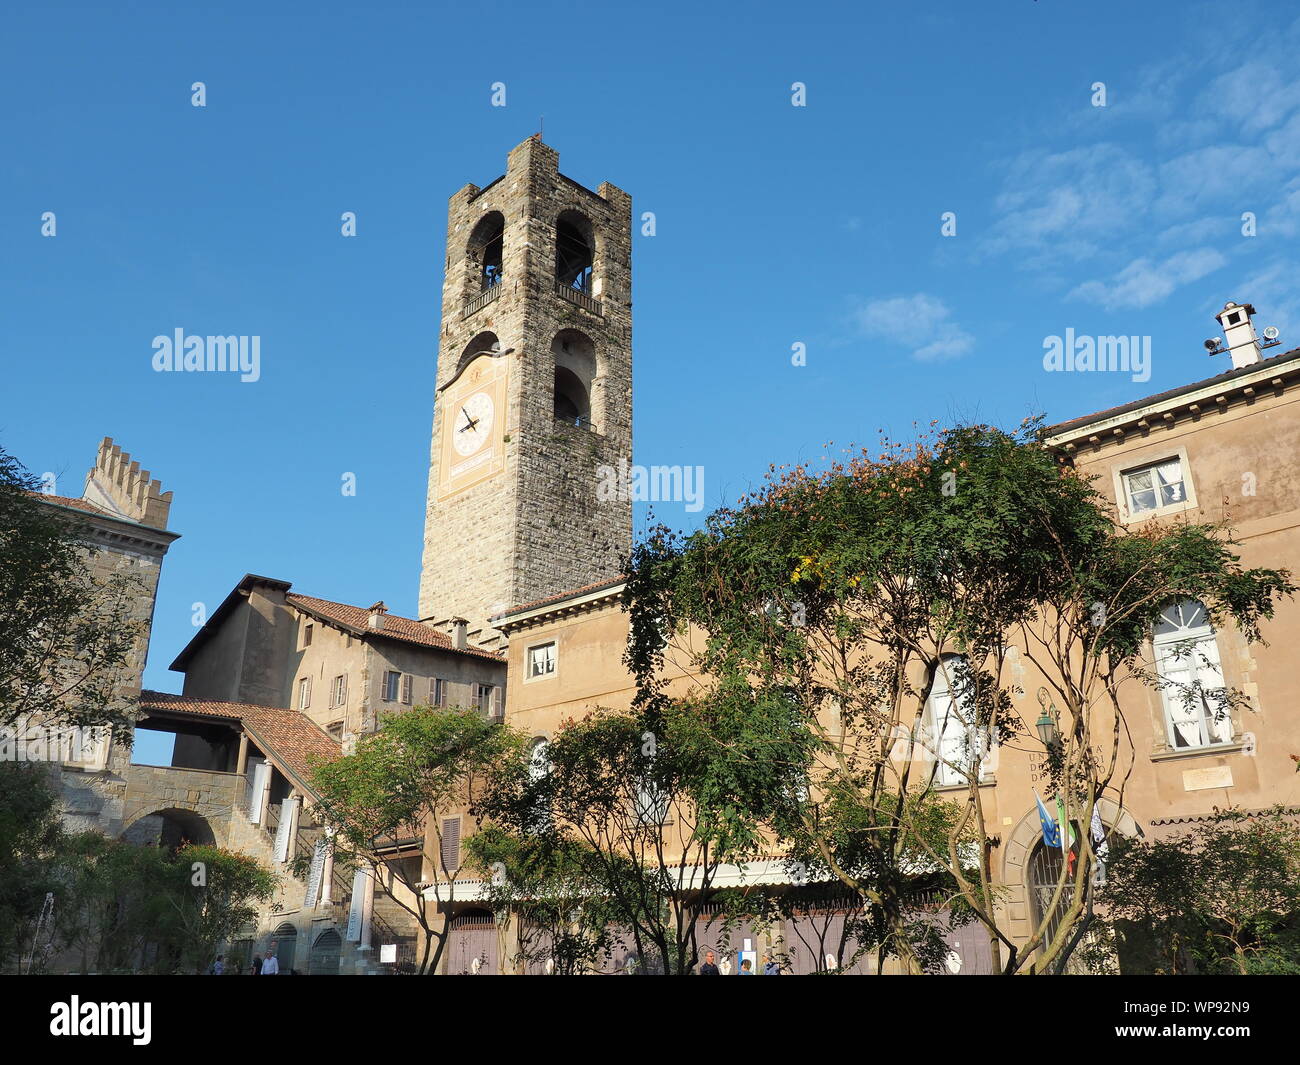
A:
473	423
471	412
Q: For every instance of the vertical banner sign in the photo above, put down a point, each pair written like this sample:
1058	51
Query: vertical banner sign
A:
313	878
259	790
358	904
282	832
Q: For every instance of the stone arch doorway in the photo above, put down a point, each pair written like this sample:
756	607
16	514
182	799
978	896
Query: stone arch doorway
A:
324	958
1027	866
285	939
171	829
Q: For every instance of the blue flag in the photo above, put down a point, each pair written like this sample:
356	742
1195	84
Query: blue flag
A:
1051	831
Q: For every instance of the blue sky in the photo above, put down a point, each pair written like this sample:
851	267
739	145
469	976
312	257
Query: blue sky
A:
776	225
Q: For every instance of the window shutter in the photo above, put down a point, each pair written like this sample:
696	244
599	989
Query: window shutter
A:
406	688
495	704
451	843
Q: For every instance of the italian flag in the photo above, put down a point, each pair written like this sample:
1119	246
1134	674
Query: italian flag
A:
1068	839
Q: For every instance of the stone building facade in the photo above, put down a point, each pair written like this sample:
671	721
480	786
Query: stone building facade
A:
342	666
534	393
122	518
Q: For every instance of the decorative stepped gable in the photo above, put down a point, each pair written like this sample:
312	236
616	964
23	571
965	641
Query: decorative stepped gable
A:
118	485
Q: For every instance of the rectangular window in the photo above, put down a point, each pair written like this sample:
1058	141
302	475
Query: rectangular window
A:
541	660
451	844
1152	489
406	688
437	692
391	682
339	691
304	693
306	636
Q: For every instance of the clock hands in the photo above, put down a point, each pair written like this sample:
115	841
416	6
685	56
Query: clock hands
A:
470	423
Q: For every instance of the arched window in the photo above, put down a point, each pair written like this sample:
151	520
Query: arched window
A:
285	938
487	248
575	371
574	252
1197	709
324	957
956	741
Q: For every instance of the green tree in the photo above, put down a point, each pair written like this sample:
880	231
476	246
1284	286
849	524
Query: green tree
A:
421	765
1222	897
66	636
562	915
213	895
855	592
657	802
115	907
31	836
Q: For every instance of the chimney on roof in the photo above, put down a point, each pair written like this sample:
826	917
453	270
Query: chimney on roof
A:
1239	338
459	637
377	613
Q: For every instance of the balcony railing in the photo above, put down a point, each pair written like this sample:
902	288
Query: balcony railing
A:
477	303
579	298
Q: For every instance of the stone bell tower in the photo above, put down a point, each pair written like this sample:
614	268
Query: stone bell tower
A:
533	410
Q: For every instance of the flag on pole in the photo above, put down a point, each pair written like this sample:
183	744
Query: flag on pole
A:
1067	848
1051	835
1098	829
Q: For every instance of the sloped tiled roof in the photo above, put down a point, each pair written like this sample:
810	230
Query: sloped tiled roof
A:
395	628
80	504
574	593
1147	401
290	739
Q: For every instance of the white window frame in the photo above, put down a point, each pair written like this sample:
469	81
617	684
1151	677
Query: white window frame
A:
304	693
1189	653
339	691
392	685
549	659
1124	474
947	741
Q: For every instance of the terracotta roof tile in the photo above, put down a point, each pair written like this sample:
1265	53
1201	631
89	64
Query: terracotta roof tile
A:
395	628
291	739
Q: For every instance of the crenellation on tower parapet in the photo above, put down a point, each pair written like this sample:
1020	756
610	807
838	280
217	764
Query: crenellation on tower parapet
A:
117	483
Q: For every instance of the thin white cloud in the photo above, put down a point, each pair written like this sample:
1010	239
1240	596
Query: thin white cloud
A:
1188	147
921	323
1144	282
1071	202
